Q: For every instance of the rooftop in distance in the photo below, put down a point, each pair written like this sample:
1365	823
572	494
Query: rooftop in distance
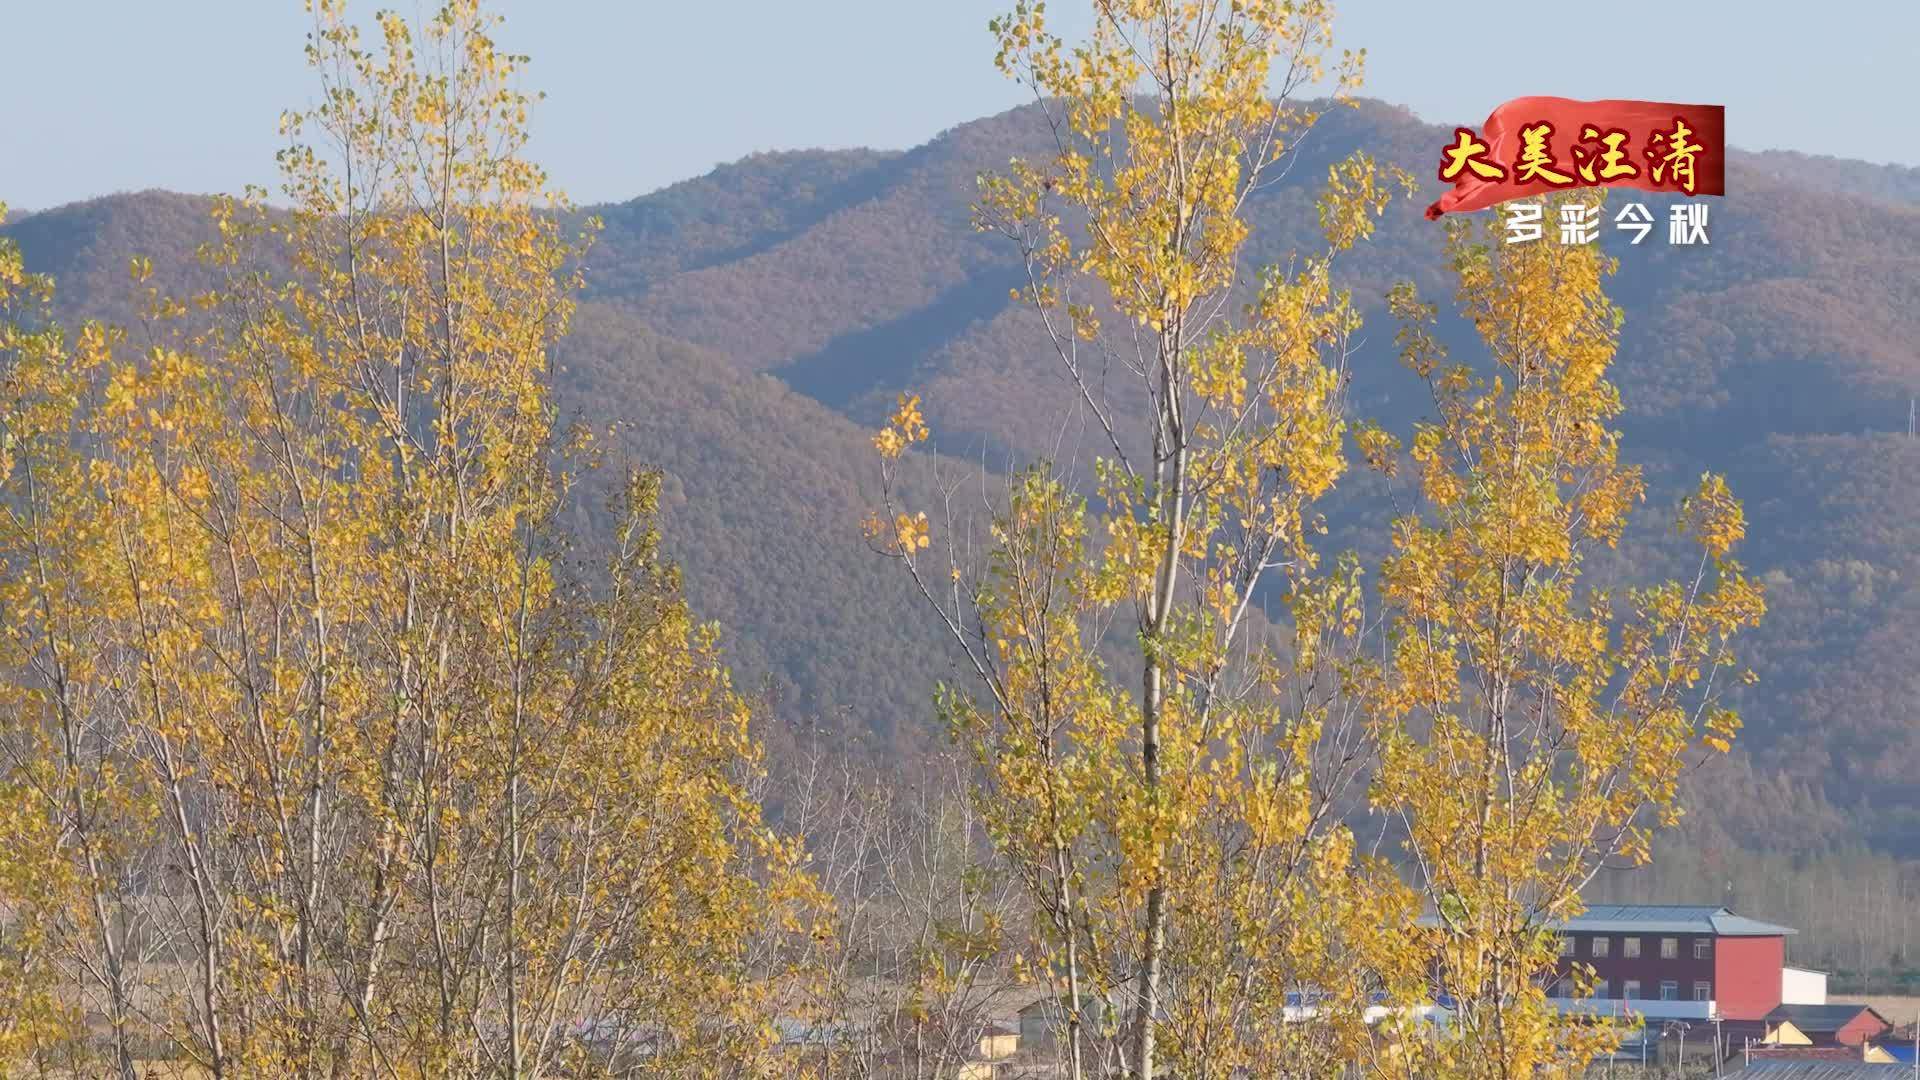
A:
1660	919
1671	919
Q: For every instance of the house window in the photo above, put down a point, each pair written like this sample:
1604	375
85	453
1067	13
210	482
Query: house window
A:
1566	945
1600	989
1601	946
1703	948
1562	988
1631	989
1669	948
1703	991
1630	947
1669	990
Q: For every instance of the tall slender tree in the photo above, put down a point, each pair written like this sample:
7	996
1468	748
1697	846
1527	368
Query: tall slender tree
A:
1173	787
324	715
1165	769
72	825
1533	725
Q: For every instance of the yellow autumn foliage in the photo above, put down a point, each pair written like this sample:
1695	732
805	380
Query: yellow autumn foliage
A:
331	755
1533	726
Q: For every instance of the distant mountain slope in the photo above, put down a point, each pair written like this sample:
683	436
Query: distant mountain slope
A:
859	267
728	214
763	506
764	495
1839	176
814	286
899	289
86	246
1776	353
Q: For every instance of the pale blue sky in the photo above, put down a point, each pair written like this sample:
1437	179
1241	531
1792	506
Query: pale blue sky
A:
99	96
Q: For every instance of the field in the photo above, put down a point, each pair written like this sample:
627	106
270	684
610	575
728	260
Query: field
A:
1899	1009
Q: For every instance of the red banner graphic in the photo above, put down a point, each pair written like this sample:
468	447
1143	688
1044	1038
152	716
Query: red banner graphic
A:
1535	145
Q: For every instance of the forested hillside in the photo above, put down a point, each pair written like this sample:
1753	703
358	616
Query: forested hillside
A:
1782	353
749	328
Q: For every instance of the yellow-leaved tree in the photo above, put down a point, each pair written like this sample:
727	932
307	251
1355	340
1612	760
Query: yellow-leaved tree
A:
61	823
331	755
1171	772
1166	768
1533	725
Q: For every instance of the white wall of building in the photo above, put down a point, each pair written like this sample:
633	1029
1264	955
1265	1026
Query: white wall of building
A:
1802	986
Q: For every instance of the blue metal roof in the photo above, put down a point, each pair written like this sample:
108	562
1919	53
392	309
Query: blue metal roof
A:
1660	919
1784	1069
1671	919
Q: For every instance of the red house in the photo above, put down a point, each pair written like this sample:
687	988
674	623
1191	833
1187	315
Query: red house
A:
1826	1025
1660	952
